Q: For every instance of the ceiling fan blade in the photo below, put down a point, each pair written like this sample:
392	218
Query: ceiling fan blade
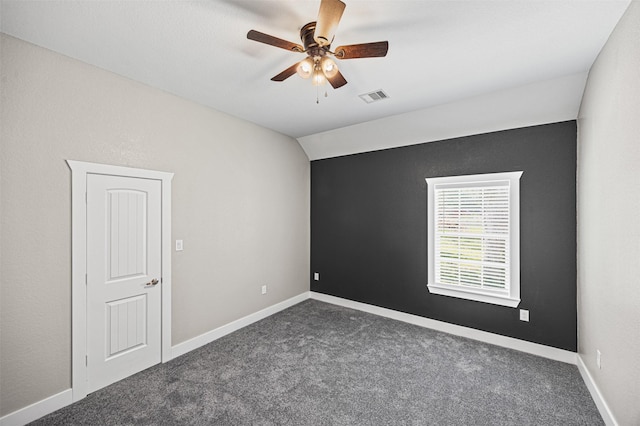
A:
337	80
274	41
365	50
286	73
328	19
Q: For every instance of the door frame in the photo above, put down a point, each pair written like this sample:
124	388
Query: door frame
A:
79	172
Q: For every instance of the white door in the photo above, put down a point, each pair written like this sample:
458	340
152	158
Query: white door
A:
123	277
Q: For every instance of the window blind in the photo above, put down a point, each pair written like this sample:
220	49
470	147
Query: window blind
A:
472	235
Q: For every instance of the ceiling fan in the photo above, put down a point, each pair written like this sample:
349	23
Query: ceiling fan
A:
316	39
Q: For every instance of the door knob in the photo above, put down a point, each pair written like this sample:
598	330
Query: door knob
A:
152	283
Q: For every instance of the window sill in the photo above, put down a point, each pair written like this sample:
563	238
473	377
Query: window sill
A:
494	299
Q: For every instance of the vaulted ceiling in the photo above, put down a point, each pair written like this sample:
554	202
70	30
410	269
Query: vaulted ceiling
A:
440	52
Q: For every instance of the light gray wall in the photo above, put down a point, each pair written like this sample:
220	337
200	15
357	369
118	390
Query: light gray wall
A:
609	220
240	203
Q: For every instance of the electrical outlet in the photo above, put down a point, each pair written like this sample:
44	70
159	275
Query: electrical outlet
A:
524	315
316	276
264	289
598	359
179	246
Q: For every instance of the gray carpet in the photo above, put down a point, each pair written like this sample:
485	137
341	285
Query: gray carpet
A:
320	364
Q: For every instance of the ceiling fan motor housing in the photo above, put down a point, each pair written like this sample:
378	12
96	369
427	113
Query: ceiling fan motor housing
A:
312	47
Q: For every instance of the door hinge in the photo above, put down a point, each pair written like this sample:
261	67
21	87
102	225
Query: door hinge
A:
86	279
86	360
86	197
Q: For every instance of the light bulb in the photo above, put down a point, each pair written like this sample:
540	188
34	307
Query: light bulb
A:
329	68
318	78
305	68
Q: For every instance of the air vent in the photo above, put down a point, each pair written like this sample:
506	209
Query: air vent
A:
378	95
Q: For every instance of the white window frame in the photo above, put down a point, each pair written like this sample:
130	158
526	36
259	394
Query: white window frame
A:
509	297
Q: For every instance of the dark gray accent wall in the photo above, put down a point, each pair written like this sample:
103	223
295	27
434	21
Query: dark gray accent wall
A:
369	229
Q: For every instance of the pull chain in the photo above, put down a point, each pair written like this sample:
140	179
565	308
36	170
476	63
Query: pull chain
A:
326	95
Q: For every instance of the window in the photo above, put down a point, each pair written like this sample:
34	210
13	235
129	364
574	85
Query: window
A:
474	237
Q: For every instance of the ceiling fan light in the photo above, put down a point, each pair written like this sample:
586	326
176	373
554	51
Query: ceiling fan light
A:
305	68
329	67
318	78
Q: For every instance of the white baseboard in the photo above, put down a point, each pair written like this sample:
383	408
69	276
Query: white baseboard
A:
38	409
483	336
210	336
603	407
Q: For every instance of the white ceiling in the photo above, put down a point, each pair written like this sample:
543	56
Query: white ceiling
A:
439	51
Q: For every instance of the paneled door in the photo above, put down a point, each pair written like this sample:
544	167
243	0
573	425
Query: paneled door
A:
123	277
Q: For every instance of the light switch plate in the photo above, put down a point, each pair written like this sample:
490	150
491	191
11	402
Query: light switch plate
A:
316	276
524	315
179	245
